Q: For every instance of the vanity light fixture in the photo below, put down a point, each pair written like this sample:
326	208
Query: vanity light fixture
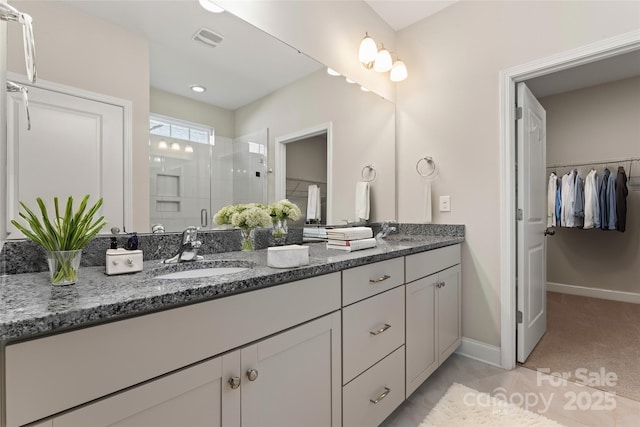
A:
210	6
380	60
364	89
175	146
163	145
332	72
188	149
198	88
349	80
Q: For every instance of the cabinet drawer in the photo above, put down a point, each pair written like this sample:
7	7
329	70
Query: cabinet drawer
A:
362	282
371	329
427	263
48	375
358	396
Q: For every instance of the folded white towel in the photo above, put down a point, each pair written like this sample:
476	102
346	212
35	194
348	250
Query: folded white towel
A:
362	200
313	203
427	202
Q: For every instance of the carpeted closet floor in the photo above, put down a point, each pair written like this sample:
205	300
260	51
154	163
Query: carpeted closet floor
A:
593	341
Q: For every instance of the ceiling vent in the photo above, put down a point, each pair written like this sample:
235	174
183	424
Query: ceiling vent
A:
208	37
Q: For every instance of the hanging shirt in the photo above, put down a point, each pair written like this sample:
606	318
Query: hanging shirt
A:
591	211
568	198
612	218
602	200
559	202
551	200
621	199
578	202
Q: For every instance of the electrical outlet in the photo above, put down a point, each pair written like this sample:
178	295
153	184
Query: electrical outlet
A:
445	203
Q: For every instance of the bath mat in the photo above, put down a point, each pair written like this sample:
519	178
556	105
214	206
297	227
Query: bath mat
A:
464	406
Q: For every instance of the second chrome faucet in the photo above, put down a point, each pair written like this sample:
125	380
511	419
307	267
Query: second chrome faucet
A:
188	249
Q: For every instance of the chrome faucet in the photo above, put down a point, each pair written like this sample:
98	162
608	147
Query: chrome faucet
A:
385	230
189	249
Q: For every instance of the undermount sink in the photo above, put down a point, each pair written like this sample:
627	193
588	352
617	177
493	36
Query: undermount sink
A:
200	269
202	272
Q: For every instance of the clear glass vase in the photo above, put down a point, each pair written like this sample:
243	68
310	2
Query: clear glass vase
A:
247	239
280	228
63	266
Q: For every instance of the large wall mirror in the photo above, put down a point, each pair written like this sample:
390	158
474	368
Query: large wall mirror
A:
194	152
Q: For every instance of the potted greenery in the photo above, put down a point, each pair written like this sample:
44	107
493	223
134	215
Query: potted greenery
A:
280	212
245	216
64	236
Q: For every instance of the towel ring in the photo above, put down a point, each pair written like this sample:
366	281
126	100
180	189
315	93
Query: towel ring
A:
372	171
426	167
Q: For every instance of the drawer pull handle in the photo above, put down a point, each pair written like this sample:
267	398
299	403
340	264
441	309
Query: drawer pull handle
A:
381	330
384	394
380	279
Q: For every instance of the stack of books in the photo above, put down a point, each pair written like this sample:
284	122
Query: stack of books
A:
350	239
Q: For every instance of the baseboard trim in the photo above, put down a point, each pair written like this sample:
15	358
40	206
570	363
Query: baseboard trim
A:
482	352
594	292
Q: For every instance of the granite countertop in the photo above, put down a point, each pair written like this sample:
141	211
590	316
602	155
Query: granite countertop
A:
32	307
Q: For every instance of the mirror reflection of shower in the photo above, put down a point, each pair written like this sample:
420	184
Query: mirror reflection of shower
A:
193	172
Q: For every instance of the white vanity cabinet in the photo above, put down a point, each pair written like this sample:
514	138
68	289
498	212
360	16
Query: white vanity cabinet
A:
433	312
286	380
46	376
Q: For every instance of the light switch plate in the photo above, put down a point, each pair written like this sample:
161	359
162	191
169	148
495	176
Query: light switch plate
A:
445	203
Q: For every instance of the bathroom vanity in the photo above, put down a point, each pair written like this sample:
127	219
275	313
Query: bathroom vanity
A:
340	342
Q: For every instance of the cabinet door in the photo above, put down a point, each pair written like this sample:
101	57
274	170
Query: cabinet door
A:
293	378
422	357
449	312
191	397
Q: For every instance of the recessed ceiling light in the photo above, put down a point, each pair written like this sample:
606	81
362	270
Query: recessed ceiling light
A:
210	6
198	88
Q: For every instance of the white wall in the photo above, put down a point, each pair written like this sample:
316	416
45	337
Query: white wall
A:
595	124
328	31
363	133
448	108
180	107
77	50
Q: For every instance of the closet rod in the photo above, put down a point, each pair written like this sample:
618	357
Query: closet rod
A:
628	159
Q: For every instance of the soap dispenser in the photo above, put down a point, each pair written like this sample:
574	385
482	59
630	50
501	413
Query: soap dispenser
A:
121	260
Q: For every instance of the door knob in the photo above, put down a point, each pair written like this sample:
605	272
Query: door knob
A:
252	374
549	232
234	382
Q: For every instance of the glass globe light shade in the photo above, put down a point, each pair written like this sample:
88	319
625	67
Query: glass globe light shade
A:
383	61
398	71
368	51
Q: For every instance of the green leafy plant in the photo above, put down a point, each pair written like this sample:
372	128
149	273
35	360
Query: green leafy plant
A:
67	232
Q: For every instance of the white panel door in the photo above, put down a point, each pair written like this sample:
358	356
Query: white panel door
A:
75	147
295	377
532	271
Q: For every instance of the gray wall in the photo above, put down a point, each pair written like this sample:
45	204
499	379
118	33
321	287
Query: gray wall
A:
596	124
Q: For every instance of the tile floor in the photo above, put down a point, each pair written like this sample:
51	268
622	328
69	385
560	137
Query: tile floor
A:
552	397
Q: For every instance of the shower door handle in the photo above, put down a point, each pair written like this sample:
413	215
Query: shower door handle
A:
204	218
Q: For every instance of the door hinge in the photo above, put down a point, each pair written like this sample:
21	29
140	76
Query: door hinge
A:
519	316
519	214
518	113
